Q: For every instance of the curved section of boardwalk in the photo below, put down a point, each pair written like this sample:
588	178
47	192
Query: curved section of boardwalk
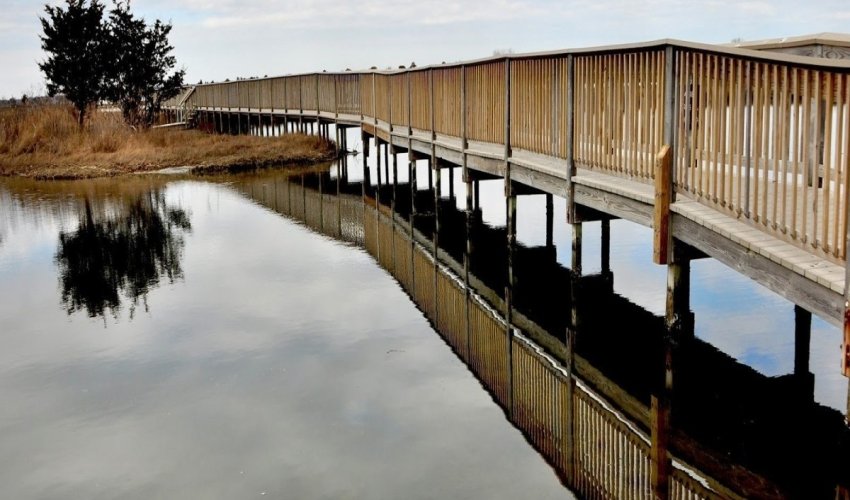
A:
759	143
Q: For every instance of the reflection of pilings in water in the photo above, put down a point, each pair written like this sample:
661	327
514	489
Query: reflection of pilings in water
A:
336	216
597	451
537	384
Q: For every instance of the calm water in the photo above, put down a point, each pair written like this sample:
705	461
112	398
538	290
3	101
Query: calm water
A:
242	356
177	337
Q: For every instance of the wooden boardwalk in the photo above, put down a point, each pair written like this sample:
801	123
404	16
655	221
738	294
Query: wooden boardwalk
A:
759	141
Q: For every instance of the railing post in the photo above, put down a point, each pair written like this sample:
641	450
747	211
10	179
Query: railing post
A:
670	113
409	113
463	111
507	116
390	105
375	107
569	136
433	119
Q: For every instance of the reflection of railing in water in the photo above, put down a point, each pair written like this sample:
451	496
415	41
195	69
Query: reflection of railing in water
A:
608	458
336	216
611	449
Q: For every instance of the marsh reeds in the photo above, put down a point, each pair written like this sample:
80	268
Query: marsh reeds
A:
44	141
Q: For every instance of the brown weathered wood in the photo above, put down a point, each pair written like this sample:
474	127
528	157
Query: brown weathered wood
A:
661	214
738	118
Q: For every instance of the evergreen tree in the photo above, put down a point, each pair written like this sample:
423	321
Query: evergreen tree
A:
138	79
74	41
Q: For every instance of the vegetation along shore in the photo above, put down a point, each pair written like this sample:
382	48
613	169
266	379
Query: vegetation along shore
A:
46	142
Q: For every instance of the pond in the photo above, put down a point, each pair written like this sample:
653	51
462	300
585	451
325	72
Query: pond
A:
213	337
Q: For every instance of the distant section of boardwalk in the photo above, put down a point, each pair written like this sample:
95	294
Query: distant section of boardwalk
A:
758	166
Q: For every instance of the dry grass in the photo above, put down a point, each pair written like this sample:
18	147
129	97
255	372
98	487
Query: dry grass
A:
45	142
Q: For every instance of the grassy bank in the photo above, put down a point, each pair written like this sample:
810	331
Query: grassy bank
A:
45	142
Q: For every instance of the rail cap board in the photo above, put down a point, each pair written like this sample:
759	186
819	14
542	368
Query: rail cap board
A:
831	39
742	50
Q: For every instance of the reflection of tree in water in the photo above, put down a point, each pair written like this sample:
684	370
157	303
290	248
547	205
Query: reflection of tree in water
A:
125	249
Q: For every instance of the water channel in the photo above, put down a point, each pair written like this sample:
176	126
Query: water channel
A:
272	334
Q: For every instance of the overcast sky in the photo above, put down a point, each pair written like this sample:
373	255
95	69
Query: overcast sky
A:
217	39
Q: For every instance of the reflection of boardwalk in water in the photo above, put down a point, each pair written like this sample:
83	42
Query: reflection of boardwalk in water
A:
606	435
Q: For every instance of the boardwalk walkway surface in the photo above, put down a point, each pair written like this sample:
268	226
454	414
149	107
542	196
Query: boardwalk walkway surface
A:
757	176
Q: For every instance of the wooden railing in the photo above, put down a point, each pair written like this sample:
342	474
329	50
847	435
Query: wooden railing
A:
768	142
760	136
538	105
485	101
619	111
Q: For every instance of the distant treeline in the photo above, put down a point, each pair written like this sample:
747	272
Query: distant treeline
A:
26	100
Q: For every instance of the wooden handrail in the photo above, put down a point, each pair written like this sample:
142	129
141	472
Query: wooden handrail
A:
764	137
